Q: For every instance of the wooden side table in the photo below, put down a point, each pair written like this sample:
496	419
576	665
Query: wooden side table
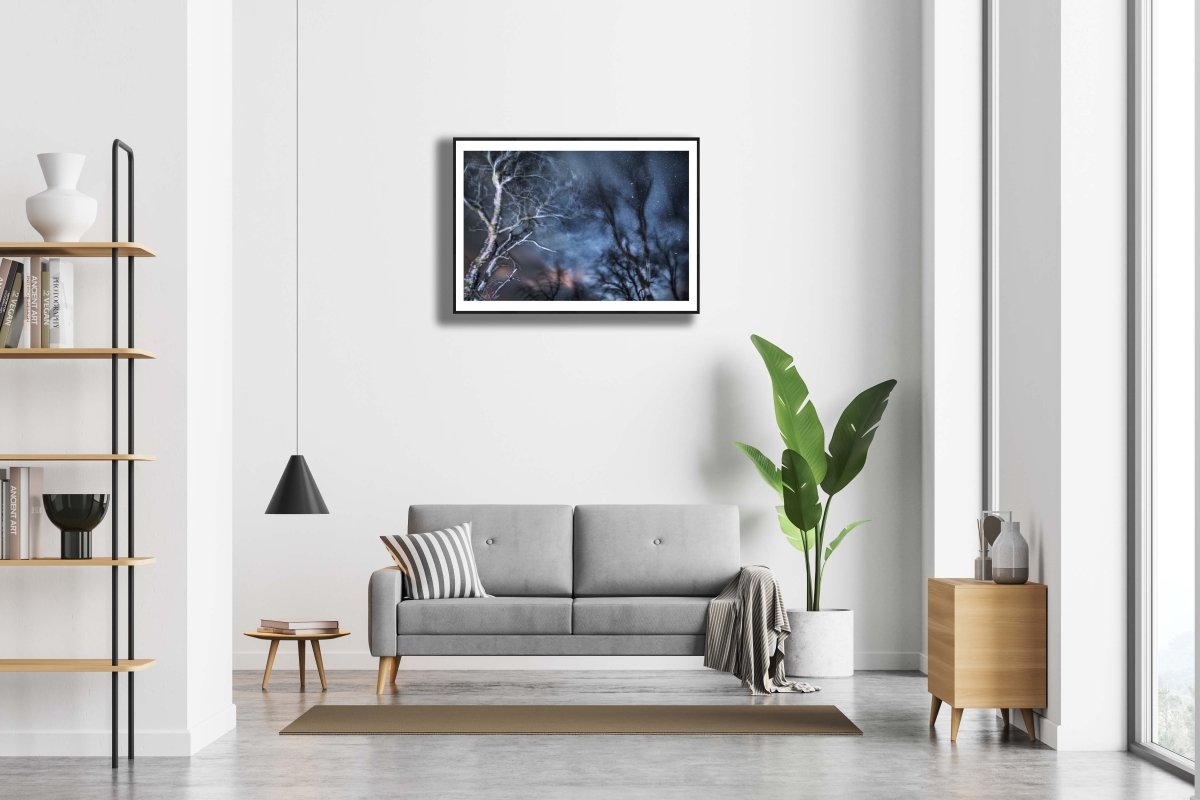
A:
987	648
300	638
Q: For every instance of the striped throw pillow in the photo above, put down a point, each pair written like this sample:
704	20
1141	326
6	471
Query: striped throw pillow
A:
439	564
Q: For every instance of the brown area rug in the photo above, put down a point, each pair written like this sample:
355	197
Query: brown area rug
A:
585	720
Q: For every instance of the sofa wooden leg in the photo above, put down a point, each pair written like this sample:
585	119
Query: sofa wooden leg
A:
387	668
395	669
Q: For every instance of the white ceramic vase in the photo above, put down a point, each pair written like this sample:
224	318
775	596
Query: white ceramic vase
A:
61	213
821	644
1010	555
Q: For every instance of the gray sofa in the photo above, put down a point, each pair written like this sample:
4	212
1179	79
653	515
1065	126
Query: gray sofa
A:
593	580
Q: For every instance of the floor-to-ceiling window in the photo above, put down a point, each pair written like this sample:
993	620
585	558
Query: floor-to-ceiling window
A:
1164	237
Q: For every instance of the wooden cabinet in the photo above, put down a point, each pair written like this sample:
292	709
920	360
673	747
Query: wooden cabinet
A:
987	648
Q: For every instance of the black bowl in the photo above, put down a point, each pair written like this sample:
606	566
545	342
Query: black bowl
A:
75	512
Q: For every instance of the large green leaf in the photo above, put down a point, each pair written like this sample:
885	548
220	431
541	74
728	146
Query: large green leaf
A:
795	414
853	436
766	467
801	540
829	548
801	502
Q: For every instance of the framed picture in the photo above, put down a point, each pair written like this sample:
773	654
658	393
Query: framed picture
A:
576	225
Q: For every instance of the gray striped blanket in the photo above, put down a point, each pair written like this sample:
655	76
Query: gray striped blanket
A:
747	631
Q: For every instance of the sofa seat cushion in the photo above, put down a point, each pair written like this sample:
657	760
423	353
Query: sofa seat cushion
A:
626	616
504	616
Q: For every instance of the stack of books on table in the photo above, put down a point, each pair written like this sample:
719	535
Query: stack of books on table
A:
299	628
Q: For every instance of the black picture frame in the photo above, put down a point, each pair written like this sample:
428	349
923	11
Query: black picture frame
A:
661	176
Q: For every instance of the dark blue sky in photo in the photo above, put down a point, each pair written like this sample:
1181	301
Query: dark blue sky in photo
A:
580	242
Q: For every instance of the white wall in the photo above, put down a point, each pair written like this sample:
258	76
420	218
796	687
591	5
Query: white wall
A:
92	72
809	116
1062	268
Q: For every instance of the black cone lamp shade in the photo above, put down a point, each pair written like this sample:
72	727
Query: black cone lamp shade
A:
297	492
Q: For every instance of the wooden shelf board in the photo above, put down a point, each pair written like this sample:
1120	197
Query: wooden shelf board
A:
54	353
22	457
127	561
76	249
74	664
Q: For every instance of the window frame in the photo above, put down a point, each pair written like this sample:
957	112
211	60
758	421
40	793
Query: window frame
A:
1141	424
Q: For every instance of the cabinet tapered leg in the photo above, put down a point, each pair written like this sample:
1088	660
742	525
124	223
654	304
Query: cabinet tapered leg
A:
1027	715
935	705
270	663
1004	713
316	646
300	647
955	719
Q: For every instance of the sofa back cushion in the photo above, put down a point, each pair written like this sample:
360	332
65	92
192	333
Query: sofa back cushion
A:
654	550
520	551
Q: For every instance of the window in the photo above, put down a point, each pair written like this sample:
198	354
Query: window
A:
1164	237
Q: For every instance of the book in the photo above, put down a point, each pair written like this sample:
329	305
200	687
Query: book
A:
307	625
25	507
44	282
4	514
62	303
6	265
296	631
44	541
12	526
31	330
10	328
8	298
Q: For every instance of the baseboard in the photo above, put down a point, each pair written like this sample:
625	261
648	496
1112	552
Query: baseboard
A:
213	728
887	661
363	660
173	743
923	664
1047	730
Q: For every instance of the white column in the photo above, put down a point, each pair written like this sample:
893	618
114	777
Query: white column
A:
952	293
1093	541
210	710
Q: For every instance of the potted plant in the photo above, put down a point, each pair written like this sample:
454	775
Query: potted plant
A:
822	639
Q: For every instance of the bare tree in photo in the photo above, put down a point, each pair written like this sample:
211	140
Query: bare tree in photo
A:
511	197
671	244
642	253
548	285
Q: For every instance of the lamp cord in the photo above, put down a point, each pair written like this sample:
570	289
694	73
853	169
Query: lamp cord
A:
297	227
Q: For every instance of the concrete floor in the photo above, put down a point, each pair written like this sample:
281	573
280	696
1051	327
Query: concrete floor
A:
897	757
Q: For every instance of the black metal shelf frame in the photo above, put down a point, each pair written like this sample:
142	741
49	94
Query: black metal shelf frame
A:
117	148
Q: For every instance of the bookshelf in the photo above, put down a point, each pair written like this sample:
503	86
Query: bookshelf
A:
22	458
75	665
117	355
75	250
127	561
74	353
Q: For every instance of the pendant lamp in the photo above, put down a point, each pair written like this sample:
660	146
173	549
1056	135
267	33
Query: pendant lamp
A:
297	491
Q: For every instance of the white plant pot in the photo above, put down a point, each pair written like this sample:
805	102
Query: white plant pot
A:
61	213
821	644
